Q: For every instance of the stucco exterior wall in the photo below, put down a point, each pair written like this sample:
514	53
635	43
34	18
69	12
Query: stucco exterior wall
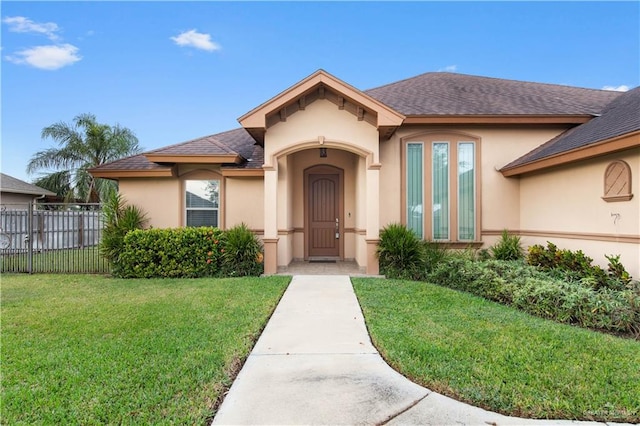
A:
244	202
361	218
566	202
338	128
390	179
284	205
13	201
160	198
163	198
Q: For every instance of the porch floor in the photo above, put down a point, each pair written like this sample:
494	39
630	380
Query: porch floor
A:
303	267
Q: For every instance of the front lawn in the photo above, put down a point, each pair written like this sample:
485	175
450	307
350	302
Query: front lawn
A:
498	358
94	350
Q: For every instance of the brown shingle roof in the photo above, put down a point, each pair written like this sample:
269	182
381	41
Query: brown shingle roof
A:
236	142
17	186
427	94
441	93
255	160
135	162
619	117
207	145
243	143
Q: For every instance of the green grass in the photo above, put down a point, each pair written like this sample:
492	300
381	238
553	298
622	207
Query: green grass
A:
93	350
85	260
498	358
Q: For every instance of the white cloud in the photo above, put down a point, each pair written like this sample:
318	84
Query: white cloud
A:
449	68
621	88
49	57
197	40
20	24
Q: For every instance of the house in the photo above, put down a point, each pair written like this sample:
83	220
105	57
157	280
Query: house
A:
318	170
16	194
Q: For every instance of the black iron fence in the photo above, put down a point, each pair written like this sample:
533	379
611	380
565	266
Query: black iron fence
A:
54	238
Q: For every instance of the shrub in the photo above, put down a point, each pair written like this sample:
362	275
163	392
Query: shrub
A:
539	293
242	253
577	267
455	272
508	247
401	253
119	219
171	253
541	257
433	253
190	253
483	254
494	280
617	269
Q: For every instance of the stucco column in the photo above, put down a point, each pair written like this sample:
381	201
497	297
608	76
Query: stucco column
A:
373	217
270	239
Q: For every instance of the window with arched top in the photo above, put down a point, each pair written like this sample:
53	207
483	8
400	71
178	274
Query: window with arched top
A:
617	182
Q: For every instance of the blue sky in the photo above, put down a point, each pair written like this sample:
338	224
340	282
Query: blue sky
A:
174	71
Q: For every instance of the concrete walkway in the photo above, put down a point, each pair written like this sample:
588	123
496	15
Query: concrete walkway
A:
315	364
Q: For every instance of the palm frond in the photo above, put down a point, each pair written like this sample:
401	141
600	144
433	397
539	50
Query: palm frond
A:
58	182
82	145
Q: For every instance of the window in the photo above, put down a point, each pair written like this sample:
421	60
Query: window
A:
466	191
415	179
202	201
440	190
441	186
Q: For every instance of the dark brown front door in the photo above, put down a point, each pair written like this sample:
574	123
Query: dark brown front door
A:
323	210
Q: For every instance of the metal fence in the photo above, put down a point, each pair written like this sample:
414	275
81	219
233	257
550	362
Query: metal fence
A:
54	238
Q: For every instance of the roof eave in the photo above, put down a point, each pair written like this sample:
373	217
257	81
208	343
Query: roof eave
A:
198	159
608	146
498	119
230	172
26	192
115	174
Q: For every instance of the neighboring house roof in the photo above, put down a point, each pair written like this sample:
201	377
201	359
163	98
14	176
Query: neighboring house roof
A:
17	186
442	93
619	118
196	200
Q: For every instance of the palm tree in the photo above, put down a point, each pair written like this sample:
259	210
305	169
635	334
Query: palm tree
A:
82	145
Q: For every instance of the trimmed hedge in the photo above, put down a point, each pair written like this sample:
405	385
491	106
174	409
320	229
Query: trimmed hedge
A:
186	253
